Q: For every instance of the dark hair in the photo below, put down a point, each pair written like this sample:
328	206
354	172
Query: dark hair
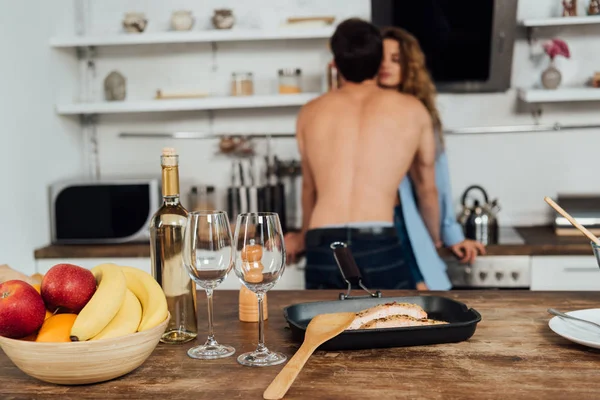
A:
415	79
357	49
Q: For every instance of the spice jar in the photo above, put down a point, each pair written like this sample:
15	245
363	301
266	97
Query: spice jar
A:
241	84
289	80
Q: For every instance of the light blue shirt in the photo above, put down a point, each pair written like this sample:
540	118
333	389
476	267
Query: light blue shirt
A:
430	264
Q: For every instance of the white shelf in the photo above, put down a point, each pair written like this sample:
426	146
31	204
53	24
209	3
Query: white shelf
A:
208	103
193	37
561	21
559	95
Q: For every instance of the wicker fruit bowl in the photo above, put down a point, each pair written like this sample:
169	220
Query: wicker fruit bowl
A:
78	363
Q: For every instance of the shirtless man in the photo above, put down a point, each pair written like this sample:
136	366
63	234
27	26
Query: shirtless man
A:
356	145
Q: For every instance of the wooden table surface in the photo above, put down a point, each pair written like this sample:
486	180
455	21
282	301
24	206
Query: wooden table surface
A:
512	355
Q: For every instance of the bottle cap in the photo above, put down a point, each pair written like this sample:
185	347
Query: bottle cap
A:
168	151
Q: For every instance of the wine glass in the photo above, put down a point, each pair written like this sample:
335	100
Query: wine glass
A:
208	256
259	263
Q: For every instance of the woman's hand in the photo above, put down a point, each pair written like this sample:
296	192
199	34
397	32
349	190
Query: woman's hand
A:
294	246
422	286
467	250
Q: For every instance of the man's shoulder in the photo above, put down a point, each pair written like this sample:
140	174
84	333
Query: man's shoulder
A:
402	104
317	103
393	97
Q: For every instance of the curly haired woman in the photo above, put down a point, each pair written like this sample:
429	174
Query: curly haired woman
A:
403	69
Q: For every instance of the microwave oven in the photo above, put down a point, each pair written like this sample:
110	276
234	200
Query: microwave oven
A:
468	44
103	212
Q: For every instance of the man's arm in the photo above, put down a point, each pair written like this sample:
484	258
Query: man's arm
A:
309	193
422	174
294	242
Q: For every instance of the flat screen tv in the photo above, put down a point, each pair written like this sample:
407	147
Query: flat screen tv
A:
468	44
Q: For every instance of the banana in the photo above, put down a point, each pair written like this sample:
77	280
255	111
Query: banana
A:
104	304
126	321
150	295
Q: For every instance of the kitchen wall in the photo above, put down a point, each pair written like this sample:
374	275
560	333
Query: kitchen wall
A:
36	146
519	169
188	67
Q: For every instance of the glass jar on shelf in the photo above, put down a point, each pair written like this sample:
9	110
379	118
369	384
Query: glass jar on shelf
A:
289	80
242	84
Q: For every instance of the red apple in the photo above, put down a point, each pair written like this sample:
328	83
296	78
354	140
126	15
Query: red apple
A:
22	309
68	286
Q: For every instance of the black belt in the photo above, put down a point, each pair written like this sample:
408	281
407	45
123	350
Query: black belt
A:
318	236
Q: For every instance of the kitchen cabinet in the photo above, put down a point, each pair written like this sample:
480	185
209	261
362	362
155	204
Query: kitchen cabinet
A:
564	273
292	278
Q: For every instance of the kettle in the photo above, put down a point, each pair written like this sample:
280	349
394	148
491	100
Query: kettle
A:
479	222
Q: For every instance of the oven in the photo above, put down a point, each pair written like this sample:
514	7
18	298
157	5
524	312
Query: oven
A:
493	272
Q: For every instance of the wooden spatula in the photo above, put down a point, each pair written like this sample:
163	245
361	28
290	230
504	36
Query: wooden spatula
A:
320	329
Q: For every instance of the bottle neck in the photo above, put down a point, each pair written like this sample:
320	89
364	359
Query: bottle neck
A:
170	184
171	200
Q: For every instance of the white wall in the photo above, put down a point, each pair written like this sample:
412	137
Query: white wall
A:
519	169
36	146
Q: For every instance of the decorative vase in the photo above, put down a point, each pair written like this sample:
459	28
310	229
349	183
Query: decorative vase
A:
551	77
182	20
223	19
135	22
115	88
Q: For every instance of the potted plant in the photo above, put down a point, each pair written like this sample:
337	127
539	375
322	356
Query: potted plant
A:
551	77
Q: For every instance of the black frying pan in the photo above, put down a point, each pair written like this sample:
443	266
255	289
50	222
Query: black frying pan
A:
462	321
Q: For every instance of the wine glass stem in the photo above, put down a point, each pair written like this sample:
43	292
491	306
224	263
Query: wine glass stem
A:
211	334
261	328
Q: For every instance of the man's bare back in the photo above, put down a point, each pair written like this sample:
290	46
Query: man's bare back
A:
357	144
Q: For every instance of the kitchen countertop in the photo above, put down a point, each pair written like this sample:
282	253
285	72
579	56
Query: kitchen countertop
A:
512	355
538	240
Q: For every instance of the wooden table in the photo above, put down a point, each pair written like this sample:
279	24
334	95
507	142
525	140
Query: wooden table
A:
512	355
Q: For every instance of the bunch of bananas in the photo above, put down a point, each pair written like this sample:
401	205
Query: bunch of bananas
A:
127	300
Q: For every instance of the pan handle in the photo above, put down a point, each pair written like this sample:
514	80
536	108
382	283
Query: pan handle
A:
349	270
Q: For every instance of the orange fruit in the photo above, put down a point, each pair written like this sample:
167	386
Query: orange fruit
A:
37	287
57	328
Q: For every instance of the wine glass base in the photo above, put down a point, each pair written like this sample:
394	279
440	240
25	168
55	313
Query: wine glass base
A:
210	351
262	358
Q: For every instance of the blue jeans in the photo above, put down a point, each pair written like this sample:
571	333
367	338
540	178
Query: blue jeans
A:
379	256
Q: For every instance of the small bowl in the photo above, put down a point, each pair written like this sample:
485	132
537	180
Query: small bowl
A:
79	363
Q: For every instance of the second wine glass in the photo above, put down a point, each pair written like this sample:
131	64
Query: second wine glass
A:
208	257
259	263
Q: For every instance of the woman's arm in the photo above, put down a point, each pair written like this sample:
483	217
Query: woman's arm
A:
451	231
422	175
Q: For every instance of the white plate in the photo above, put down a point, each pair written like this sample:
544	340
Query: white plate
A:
579	332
